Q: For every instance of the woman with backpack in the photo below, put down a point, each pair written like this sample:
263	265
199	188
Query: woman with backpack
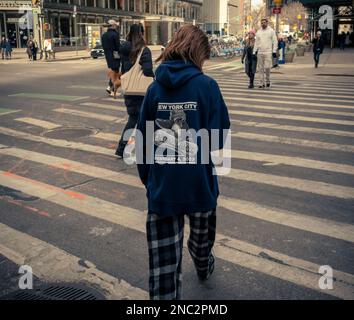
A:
180	101
134	47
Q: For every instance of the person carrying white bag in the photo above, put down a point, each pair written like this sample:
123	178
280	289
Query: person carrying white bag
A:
137	75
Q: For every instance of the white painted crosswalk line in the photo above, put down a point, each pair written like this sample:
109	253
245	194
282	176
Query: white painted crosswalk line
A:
277	126
104	106
291	109
292	117
39	123
86	114
282	87
295	220
291	102
51	264
303	185
296	142
300	272
300	185
57	142
290	94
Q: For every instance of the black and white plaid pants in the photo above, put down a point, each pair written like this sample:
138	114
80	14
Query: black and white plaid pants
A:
165	243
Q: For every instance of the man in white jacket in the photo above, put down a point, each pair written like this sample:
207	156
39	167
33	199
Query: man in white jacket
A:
265	47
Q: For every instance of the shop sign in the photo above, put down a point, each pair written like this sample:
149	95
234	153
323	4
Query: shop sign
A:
15	5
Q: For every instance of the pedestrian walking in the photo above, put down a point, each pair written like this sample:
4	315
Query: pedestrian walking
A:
266	50
34	50
3	47
249	59
318	47
111	46
29	50
347	40
131	50
342	39
8	49
181	97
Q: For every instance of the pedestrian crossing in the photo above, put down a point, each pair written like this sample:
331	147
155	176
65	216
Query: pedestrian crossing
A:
302	131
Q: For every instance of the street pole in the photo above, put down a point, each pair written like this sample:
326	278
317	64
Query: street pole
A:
277	23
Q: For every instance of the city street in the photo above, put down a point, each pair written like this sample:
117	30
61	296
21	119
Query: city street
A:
74	213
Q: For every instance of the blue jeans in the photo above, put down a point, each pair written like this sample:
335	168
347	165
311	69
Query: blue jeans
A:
317	57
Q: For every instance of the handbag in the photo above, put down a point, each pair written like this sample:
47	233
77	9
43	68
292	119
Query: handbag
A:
134	82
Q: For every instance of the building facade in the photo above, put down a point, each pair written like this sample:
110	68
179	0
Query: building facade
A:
81	22
215	16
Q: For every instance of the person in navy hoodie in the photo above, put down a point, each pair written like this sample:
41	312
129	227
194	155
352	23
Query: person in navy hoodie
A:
171	164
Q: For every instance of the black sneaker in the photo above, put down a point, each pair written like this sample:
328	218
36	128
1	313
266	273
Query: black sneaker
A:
119	154
251	86
268	85
109	90
210	271
261	87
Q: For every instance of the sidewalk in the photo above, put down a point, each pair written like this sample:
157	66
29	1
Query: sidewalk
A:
20	55
333	62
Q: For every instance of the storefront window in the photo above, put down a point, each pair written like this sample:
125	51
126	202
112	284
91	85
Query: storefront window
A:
120	4
90	3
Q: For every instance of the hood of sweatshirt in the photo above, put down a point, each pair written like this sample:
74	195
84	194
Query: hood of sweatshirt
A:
175	73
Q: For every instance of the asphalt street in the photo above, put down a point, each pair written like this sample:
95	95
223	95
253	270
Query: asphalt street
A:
75	213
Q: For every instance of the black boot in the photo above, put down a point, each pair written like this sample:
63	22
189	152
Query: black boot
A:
251	86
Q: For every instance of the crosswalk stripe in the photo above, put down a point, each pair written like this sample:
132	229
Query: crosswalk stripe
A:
291	109
292	117
104	106
107	136
288	101
39	123
277	126
295	220
5	111
56	142
235	89
292	183
304	185
297	88
301	272
294	141
49	263
45	96
84	114
293	161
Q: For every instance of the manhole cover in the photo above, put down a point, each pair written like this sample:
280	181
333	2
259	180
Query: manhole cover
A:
56	292
69	133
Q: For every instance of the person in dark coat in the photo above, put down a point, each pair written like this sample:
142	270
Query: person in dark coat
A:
8	49
249	59
3	47
342	41
111	46
318	47
130	51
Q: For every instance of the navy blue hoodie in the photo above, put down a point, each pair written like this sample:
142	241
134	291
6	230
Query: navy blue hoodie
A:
182	97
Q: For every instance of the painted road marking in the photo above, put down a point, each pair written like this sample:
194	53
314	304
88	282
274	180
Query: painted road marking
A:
292	117
52	264
303	185
298	271
292	219
4	111
39	123
296	142
276	126
45	96
86	114
104	106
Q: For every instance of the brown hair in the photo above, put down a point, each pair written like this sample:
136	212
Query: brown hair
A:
189	44
136	38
